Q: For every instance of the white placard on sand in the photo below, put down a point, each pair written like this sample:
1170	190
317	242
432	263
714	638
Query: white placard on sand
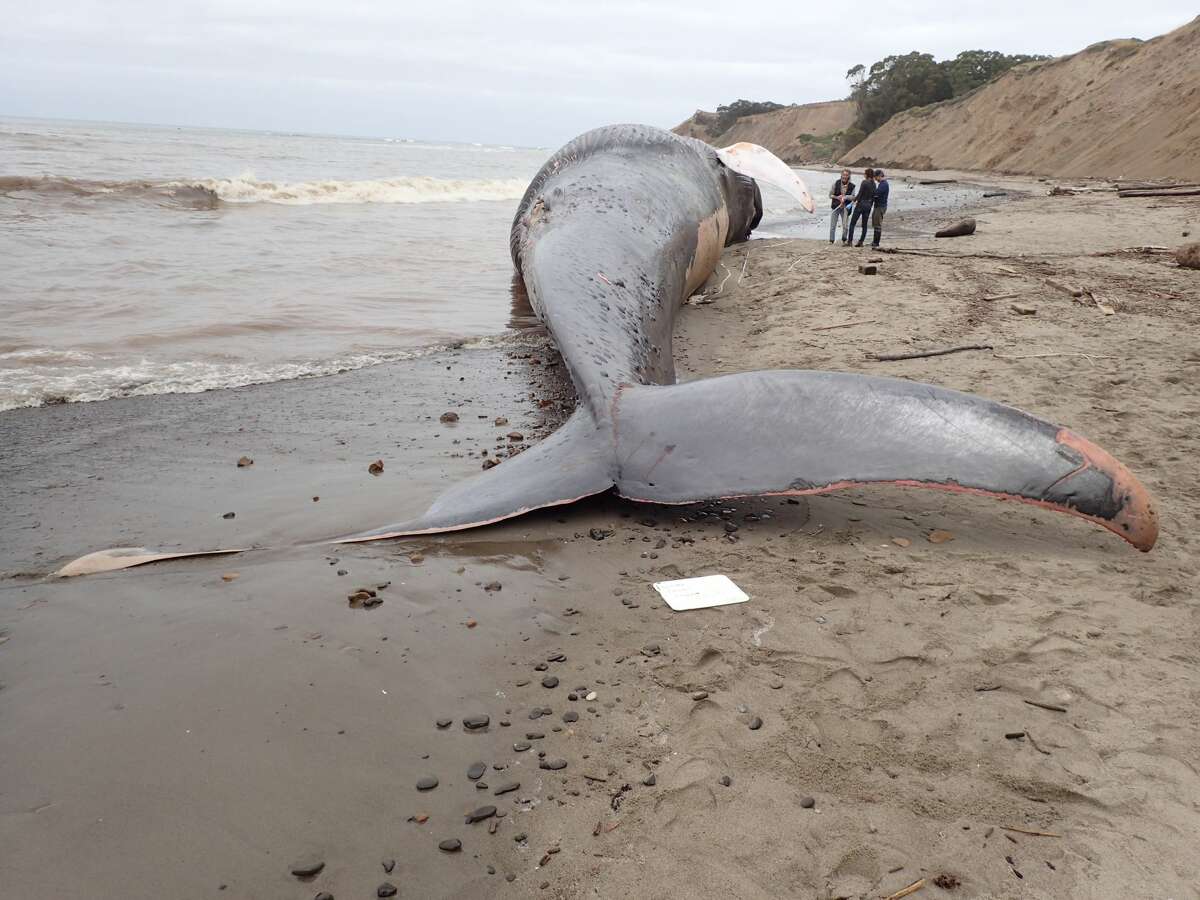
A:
700	593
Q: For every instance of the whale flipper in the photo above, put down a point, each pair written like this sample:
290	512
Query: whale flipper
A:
800	432
573	463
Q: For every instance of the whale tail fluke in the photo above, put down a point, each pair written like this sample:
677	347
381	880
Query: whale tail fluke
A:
771	433
798	432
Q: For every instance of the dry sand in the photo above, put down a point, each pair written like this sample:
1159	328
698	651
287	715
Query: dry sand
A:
170	733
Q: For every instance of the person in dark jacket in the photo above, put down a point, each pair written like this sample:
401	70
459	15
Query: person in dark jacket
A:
842	197
878	206
862	207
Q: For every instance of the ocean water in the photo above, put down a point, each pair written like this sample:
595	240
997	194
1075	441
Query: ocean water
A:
156	259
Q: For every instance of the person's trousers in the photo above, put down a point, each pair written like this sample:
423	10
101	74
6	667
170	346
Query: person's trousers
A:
859	213
841	213
877	214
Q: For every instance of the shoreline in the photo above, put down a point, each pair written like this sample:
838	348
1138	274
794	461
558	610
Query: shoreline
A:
170	731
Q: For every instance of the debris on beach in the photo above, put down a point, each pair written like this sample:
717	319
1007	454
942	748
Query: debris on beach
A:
244	461
376	468
959	229
1188	256
448	418
700	593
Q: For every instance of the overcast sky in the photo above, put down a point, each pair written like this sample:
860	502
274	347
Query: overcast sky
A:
533	72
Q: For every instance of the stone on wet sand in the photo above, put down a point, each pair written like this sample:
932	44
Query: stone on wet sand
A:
478	815
476	770
387	889
474	723
450	845
307	866
426	783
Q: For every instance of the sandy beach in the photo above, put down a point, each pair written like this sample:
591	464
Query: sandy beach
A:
987	699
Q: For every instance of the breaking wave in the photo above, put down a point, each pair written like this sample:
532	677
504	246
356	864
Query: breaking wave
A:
208	193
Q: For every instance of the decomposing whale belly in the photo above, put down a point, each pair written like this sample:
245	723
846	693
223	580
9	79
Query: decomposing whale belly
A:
612	235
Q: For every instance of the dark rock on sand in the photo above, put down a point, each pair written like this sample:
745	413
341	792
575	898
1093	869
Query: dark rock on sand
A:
324	895
426	783
958	229
755	723
521	746
476	770
448	417
476	722
387	889
570	716
650	780
450	845
484	812
552	764
507	788
807	802
388	865
725	780
307	866
549	682
444	723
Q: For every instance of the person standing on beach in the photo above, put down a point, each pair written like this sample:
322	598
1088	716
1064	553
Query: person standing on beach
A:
842	196
862	208
878	206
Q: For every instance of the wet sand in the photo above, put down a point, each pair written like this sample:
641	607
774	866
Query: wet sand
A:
168	732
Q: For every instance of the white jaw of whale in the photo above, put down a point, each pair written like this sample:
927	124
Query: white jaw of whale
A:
763	165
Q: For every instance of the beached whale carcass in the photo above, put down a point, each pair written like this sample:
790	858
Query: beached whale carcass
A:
615	231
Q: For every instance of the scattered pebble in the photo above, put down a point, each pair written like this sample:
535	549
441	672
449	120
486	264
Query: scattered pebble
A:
725	780
228	515
553	764
650	780
426	783
448	417
570	716
444	723
376	468
475	772
807	802
521	746
388	865
474	723
479	815
450	845
700	695
755	723
549	682
307	866
387	889
244	461
492	586
507	788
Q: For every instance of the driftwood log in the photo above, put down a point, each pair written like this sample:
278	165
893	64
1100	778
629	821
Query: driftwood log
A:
1185	192
965	227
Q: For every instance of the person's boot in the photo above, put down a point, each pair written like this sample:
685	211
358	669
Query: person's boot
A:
878	235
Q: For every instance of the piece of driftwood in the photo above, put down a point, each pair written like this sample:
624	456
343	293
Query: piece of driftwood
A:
995	194
939	181
959	229
893	357
1185	192
1155	185
904	892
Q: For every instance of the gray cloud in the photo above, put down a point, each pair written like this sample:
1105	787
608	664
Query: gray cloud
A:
522	71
